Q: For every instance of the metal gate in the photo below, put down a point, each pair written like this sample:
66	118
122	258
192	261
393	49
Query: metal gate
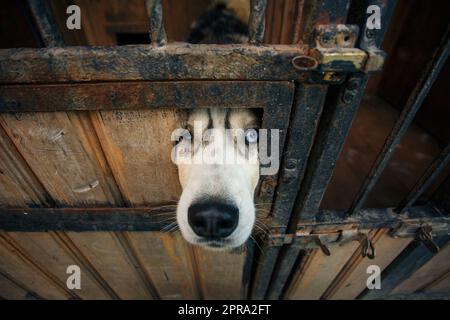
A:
310	90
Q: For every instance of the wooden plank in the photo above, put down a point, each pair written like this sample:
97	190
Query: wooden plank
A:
28	273
424	279
411	259
220	274
11	290
138	148
165	258
20	187
46	251
61	148
145	175
387	249
142	95
321	270
62	156
109	257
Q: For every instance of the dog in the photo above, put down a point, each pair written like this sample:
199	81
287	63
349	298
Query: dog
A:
216	209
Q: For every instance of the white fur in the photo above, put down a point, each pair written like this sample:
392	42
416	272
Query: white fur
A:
235	182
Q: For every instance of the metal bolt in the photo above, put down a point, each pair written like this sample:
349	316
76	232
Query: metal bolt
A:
291	164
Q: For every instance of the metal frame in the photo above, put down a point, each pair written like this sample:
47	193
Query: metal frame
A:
328	78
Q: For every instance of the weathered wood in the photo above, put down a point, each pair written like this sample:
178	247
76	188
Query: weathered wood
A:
20	265
11	290
165	258
409	261
144	173
56	258
431	277
320	272
142	95
387	249
220	274
61	148
353	261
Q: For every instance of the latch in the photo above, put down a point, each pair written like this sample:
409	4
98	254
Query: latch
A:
335	55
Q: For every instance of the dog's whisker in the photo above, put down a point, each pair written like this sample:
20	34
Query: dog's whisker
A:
257	244
168	227
262	230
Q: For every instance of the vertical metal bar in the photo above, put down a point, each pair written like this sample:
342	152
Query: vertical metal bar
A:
334	125
307	110
156	21
424	183
406	117
257	21
309	100
46	24
410	260
268	280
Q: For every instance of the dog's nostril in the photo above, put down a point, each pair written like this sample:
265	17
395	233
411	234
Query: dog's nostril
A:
213	219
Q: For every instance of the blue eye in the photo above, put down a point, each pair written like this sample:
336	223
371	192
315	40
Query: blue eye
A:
251	136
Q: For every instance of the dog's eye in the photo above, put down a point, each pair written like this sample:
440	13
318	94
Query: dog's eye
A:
251	136
185	136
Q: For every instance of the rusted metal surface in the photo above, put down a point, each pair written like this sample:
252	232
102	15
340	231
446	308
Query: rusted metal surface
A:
151	219
145	95
257	21
155	15
171	62
48	29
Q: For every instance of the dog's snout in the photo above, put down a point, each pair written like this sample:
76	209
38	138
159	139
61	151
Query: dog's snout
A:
213	220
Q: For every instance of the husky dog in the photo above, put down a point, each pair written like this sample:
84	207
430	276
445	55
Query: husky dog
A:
216	208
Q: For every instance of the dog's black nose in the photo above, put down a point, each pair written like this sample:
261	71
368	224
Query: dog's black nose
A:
213	220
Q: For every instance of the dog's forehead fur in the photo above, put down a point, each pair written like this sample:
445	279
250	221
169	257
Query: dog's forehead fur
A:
224	118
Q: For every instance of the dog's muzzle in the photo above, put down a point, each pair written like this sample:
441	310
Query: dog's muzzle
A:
213	220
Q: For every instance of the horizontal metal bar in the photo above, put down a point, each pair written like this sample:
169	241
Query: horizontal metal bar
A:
151	219
406	117
257	21
427	179
171	62
48	29
144	95
377	218
156	22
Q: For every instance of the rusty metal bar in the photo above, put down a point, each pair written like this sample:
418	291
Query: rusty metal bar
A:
267	274
406	117
306	112
171	62
156	22
150	219
339	111
257	21
47	26
144	95
438	165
